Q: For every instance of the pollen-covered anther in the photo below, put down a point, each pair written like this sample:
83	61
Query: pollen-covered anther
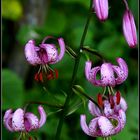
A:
111	101
39	77
118	97
52	74
100	100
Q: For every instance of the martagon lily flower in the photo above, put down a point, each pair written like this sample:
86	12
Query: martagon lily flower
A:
106	123
129	28
101	9
19	121
108	72
44	55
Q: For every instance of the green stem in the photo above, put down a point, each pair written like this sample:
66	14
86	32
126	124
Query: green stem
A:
43	103
77	60
94	52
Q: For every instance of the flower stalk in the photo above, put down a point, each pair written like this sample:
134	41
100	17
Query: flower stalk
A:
77	61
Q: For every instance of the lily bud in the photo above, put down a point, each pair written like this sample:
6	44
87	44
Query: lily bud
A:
101	9
129	29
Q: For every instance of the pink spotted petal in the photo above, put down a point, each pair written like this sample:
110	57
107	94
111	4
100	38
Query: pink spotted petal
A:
7	114
122	105
93	128
122	118
121	71
94	110
31	122
84	124
91	74
18	120
107	109
117	128
51	53
123	66
129	29
101	9
43	116
31	53
105	126
107	75
8	122
88	69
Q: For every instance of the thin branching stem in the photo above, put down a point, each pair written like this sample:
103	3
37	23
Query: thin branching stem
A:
77	61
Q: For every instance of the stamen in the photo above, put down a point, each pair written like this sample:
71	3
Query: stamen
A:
118	97
36	77
56	73
50	75
100	101
41	76
111	101
30	138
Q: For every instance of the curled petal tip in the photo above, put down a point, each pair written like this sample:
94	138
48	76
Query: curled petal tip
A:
62	48
42	116
84	124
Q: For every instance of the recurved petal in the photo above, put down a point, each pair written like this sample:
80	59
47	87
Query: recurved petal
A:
122	118
123	104
62	48
18	120
84	124
31	53
105	126
30	121
93	127
121	71
88	69
123	65
8	122
107	75
94	110
117	124
7	114
107	109
43	116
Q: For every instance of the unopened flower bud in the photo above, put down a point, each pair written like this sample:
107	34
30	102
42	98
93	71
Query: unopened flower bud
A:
101	9
129	29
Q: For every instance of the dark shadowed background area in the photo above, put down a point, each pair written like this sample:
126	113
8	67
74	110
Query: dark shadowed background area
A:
35	19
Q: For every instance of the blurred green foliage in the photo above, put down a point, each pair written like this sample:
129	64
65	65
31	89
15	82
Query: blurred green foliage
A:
66	18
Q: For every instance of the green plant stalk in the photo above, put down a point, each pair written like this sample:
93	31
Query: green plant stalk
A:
77	61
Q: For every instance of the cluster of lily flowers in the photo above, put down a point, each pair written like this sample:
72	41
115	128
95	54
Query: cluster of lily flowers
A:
109	116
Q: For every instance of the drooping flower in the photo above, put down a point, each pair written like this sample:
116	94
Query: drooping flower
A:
101	9
129	29
108	72
106	123
21	121
44	55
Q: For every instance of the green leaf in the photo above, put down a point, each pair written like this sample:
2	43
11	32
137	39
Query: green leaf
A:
55	23
111	47
12	90
74	105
